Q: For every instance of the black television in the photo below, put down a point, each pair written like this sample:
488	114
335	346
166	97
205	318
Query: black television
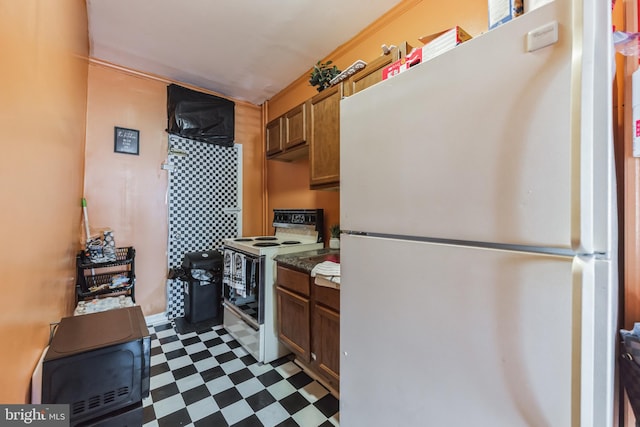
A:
200	116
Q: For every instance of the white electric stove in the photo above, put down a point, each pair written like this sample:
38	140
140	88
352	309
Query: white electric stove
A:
250	276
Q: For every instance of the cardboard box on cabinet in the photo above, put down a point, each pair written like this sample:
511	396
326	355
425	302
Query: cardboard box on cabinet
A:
501	11
434	45
438	43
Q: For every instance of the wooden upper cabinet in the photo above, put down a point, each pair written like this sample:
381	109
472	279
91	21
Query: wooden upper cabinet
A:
371	74
287	135
312	129
324	139
295	126
274	136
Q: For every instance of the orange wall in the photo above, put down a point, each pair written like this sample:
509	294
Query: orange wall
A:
127	193
408	21
43	83
289	188
625	14
625	18
288	183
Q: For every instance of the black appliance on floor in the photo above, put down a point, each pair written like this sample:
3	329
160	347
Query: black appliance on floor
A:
202	274
99	364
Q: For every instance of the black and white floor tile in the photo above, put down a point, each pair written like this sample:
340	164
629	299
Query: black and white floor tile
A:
205	378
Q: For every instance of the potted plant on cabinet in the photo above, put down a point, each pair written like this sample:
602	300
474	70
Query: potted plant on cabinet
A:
322	74
334	241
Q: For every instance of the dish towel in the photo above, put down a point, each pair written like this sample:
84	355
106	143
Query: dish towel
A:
327	273
239	278
227	267
326	268
251	283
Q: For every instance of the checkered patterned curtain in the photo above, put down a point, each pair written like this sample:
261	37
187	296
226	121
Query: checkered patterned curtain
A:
203	184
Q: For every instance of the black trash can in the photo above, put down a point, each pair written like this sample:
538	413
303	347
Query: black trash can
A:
203	286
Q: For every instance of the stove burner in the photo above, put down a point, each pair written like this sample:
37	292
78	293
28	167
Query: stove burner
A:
266	238
290	242
243	239
265	244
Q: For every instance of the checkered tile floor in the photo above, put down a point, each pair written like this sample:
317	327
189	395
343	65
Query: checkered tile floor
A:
206	378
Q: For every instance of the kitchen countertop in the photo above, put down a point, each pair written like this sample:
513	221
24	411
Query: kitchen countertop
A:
305	261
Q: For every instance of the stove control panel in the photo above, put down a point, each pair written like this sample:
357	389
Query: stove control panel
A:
297	217
300	218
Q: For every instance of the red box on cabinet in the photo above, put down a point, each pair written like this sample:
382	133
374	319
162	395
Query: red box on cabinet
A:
402	64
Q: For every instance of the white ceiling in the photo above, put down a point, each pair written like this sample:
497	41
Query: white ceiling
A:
244	49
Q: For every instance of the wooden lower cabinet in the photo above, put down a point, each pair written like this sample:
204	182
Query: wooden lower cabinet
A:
293	322
326	344
309	323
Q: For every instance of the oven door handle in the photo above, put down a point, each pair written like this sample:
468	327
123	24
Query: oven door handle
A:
246	319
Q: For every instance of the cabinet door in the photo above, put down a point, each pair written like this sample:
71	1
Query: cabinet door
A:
371	74
294	322
274	136
295	126
324	144
326	344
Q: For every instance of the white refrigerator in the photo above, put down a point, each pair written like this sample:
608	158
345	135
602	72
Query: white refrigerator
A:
479	272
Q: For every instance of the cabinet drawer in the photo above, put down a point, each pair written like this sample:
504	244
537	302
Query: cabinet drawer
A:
293	280
328	296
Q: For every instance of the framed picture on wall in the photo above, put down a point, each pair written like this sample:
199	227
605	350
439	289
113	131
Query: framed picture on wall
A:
126	141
